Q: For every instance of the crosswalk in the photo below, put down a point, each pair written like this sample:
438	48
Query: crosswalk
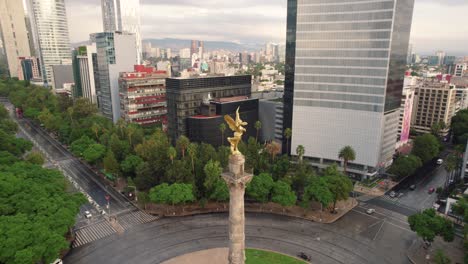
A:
92	233
134	218
103	228
389	199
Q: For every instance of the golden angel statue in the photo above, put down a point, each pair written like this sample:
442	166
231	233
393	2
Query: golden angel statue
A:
239	130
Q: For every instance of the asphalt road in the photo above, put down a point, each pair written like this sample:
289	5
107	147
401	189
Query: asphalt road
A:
356	238
86	178
416	200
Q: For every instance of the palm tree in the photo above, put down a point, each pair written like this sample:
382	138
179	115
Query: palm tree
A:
182	144
258	126
130	131
121	124
222	128
192	152
273	149
347	154
172	153
300	150
96	128
287	135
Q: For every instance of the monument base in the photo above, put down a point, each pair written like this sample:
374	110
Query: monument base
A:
236	179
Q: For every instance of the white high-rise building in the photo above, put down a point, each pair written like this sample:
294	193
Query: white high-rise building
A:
116	53
50	32
123	15
344	79
13	33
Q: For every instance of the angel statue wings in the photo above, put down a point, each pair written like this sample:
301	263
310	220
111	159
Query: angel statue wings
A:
239	130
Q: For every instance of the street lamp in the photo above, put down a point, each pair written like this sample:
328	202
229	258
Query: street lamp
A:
136	196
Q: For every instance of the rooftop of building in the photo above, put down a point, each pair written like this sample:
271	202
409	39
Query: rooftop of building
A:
206	76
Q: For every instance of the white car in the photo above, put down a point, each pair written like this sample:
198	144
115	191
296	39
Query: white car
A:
440	161
88	214
57	261
370	211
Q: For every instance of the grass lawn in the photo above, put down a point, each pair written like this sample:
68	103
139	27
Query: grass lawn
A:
255	256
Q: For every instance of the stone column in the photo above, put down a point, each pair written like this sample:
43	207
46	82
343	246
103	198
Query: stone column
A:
236	179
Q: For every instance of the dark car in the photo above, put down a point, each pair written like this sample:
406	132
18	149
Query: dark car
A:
412	187
304	256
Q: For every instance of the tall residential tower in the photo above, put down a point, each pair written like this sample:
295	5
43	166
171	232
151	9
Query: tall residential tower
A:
50	32
123	15
345	65
13	33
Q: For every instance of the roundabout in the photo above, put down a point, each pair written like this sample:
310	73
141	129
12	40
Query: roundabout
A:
355	238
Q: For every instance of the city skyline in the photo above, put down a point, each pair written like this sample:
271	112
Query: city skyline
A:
187	19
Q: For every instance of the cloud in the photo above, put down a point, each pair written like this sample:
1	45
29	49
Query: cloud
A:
437	24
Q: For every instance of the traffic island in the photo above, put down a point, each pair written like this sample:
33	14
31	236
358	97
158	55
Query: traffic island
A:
418	254
219	256
312	214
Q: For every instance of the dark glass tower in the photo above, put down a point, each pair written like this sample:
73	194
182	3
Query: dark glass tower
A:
345	63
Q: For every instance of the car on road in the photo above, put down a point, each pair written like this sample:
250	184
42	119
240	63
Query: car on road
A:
392	194
440	161
400	195
431	191
88	214
304	256
370	211
412	187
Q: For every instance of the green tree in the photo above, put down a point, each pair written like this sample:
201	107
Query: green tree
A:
94	153
110	163
340	186
79	146
405	166
145	178
258	126
222	128
282	194
172	153
179	172
35	158
220	192
192	152
437	128
212	171
177	193
280	167
459	127
441	258
182	144
130	163
426	147
319	191
287	135
300	151
96	128
347	154
428	225
260	186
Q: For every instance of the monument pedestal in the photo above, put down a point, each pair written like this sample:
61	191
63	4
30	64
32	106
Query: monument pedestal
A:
236	179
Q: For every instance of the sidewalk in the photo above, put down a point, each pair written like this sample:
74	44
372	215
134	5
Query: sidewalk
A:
418	255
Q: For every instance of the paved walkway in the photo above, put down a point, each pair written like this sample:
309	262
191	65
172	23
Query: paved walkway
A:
454	250
215	255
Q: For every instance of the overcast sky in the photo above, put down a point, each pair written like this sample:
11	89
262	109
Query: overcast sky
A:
437	24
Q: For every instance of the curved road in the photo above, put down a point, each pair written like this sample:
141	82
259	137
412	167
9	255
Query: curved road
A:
356	238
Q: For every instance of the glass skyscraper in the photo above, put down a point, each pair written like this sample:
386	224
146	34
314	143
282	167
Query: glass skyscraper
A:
345	63
50	32
123	15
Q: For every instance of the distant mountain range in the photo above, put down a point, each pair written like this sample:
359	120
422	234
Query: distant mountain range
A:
177	44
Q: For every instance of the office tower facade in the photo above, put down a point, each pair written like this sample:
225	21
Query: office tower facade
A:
123	15
29	69
460	69
440	57
50	32
143	96
13	33
345	64
186	95
84	61
434	103
194	47
116	53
